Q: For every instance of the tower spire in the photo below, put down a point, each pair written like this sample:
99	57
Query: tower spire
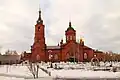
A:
39	18
70	20
69	23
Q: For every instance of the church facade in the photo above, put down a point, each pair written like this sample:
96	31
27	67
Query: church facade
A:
70	50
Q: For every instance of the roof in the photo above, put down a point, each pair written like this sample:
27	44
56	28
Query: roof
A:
70	28
53	47
86	47
97	51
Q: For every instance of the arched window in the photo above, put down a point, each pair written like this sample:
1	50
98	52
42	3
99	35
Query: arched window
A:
85	55
70	37
67	38
38	57
39	28
95	55
55	56
74	37
50	56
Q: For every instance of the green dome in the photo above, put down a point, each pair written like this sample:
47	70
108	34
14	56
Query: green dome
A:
70	27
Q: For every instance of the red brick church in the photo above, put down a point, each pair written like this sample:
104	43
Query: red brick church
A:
70	50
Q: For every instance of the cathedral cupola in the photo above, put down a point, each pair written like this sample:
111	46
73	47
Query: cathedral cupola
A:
70	27
70	33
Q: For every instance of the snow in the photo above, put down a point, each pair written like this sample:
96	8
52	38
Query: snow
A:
15	70
13	78
70	70
19	72
84	74
10	78
73	70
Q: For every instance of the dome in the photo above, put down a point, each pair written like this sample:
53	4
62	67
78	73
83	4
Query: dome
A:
70	27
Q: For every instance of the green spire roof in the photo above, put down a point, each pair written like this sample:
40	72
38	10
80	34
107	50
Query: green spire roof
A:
39	18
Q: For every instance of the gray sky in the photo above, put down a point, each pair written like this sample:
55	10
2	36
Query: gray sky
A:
97	20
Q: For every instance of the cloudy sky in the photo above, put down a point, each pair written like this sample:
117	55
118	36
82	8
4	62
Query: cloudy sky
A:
98	21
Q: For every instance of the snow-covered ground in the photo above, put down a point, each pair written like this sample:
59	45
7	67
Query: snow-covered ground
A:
19	72
69	70
15	70
14	78
73	70
84	74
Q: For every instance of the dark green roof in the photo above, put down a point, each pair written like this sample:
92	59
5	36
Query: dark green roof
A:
70	28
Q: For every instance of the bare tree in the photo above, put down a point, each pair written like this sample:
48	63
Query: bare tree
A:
7	52
11	52
33	67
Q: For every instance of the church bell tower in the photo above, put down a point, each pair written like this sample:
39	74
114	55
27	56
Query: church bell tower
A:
38	48
70	33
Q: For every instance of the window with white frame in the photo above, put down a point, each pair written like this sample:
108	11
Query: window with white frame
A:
70	37
85	55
